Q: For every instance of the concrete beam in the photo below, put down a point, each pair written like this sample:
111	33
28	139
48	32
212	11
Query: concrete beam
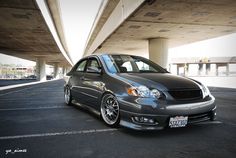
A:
54	9
121	12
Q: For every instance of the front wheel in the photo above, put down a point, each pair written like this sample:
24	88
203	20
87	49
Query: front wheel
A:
110	110
67	95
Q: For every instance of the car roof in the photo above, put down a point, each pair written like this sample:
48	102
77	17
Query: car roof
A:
98	55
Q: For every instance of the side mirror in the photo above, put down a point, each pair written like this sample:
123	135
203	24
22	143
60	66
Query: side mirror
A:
92	69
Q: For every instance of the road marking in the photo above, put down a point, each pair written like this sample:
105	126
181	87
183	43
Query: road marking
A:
58	133
36	108
23	98
25	84
31	84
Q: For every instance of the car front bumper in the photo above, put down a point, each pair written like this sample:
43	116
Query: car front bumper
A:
160	117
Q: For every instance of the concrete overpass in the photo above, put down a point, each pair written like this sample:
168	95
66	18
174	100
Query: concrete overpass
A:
150	27
142	27
24	33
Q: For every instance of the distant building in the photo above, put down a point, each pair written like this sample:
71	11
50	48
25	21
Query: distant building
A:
205	66
16	72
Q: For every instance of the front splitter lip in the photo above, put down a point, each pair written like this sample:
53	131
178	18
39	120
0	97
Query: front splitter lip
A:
134	126
126	121
163	120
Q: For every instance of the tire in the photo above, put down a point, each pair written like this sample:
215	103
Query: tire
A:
67	96
110	110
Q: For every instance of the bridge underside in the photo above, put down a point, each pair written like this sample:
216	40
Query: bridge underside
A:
179	21
25	34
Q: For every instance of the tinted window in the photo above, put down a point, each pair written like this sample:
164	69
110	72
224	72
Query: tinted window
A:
127	66
142	66
81	66
93	63
93	66
132	64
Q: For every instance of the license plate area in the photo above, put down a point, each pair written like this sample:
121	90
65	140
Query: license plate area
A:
178	121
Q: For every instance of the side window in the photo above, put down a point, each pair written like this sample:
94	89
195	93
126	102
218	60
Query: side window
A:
126	67
81	66
93	63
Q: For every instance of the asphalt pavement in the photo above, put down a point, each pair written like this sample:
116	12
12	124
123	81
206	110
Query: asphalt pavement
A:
35	123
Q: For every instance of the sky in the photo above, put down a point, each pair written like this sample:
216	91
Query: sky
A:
78	17
6	59
224	46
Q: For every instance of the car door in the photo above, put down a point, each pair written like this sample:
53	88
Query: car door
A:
93	85
76	80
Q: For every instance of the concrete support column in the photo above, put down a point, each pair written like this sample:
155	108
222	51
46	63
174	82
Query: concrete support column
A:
64	71
158	51
200	68
217	69
186	68
41	69
177	65
227	69
56	70
208	68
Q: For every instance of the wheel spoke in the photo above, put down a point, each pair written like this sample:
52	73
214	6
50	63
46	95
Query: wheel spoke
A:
115	112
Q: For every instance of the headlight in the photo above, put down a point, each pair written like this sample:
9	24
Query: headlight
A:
205	91
143	91
155	93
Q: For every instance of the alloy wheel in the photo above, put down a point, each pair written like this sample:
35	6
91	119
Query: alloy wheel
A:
110	110
67	96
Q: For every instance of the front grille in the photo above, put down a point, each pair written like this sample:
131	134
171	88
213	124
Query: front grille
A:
186	94
200	117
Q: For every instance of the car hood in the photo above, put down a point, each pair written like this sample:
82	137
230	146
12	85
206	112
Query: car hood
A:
161	81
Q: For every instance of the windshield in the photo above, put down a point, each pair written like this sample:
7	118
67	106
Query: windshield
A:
131	64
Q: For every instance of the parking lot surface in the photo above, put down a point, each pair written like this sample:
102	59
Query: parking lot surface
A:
35	122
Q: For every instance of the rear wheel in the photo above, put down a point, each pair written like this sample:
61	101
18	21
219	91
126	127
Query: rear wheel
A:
110	110
67	95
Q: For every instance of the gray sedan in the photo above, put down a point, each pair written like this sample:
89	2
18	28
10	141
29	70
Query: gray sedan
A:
135	92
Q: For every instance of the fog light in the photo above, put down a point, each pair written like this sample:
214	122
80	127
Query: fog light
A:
143	120
151	121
